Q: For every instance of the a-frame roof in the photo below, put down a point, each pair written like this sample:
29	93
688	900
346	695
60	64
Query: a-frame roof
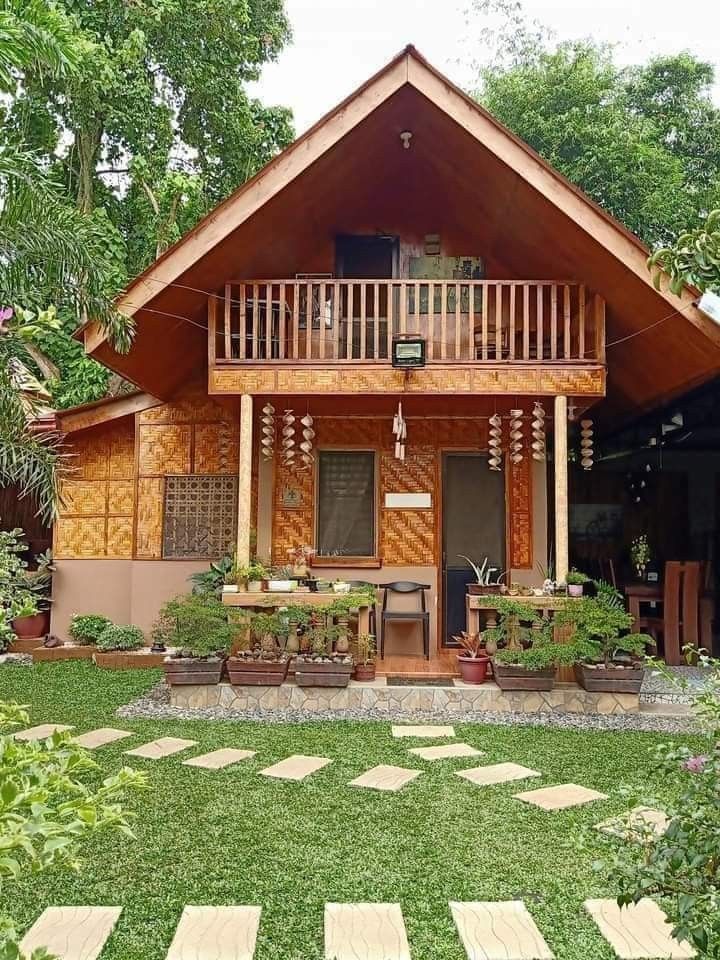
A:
168	299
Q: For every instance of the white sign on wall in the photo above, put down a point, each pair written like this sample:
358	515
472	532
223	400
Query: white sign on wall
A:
409	501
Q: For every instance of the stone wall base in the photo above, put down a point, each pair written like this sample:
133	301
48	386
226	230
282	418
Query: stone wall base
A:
377	696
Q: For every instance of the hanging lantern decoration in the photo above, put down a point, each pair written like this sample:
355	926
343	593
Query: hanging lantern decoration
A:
267	441
399	430
306	445
587	453
538	431
516	436
495	442
288	438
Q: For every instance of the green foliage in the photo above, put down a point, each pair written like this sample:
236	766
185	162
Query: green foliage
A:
600	629
210	582
366	647
542	654
17	598
88	628
197	624
576	577
527	639
694	258
120	637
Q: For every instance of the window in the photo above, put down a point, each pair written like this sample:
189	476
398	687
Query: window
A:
200	517
346	503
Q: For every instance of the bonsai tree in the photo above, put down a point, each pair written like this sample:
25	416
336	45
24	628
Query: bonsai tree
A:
544	652
366	648
473	644
87	628
601	627
120	637
576	578
197	625
248	573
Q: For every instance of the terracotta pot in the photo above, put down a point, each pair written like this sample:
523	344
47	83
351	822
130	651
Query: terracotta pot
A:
614	679
473	669
188	670
309	673
36	626
364	671
512	677
257	673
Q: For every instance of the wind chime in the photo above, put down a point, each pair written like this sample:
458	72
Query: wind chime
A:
516	436
306	455
267	441
538	432
495	442
399	430
288	438
587	452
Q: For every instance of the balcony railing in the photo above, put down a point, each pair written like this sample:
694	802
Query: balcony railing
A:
355	321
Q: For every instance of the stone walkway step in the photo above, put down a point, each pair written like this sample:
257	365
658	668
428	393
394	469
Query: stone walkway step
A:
164	747
429	731
640	931
219	759
365	931
385	777
42	731
71	933
637	825
496	773
215	933
499	931
100	737
446	751
560	797
296	767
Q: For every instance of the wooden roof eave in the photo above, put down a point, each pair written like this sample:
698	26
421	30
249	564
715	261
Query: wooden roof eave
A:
103	411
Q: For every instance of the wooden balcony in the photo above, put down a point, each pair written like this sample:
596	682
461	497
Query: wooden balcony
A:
326	322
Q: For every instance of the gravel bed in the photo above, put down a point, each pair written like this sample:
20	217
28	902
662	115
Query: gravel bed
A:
16	660
687	683
155	705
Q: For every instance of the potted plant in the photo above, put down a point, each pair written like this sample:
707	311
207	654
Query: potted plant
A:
576	581
120	637
319	667
264	662
213	580
280	580
527	651
300	559
87	628
609	657
199	630
485	583
473	661
256	573
23	602
341	586
365	662
640	555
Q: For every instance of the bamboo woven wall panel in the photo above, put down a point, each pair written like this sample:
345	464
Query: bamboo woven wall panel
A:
521	512
242	381
407	537
121	454
163	449
121	498
193	406
317	381
80	538
292	526
84	498
415	474
216	448
148	533
349	432
120	537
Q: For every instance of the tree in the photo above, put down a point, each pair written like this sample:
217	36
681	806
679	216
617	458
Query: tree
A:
47	810
694	258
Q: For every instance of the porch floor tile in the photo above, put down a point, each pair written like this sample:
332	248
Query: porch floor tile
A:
296	767
164	747
446	751
365	931
560	797
218	759
496	773
499	931
71	933
432	730
638	825
385	777
42	731
638	932
99	738
215	933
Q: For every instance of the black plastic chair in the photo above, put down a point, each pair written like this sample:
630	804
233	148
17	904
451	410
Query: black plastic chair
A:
362	585
405	587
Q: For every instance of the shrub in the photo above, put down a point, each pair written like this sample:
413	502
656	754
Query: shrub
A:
600	628
197	624
17	599
119	637
86	628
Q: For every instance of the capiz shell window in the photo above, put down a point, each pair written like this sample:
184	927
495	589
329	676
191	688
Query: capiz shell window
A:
346	503
200	517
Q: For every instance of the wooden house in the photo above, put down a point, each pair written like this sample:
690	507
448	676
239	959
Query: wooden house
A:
406	221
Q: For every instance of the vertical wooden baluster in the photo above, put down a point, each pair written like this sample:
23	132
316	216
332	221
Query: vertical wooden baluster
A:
485	292
212	330
498	320
512	322
268	320
458	331
416	322
403	307
599	304
282	324
376	321
255	320
336	320
323	328
526	322
349	324
242	308
443	321
363	320
553	321
296	321
581	322
566	322
228	322
390	320
539	319
430	333
471	321
308	320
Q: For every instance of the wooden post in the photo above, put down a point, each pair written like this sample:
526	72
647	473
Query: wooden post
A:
561	489
244	519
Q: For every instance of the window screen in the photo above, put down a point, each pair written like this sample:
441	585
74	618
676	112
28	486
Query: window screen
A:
200	517
346	504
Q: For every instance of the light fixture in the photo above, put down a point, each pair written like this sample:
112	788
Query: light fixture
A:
408	352
406	137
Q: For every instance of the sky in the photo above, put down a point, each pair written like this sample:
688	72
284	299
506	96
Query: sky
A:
338	44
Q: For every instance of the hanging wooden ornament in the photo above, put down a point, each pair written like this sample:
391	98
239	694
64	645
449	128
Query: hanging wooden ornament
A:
267	441
516	436
587	452
495	442
538	431
288	438
306	445
400	433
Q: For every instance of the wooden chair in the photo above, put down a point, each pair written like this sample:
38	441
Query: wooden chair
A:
680	620
387	616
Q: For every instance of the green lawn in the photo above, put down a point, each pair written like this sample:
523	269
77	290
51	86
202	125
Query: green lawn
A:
236	837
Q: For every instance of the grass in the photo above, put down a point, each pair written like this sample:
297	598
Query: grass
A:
236	837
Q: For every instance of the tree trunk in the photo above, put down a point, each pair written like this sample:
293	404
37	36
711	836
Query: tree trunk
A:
87	142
